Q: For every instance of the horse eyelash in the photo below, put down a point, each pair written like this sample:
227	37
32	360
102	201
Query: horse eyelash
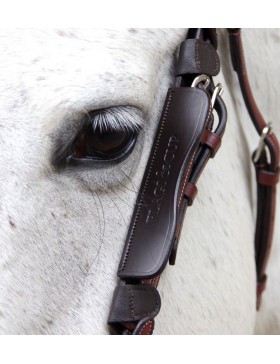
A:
121	118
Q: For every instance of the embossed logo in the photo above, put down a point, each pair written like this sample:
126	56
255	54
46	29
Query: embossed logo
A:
161	178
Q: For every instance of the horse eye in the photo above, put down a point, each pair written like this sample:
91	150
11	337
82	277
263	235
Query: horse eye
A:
107	144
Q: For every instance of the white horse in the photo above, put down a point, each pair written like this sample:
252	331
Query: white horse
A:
63	228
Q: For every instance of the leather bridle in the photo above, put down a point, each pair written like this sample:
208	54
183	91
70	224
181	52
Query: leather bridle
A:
184	142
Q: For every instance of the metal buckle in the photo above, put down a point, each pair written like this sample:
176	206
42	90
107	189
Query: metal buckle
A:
201	78
266	130
219	89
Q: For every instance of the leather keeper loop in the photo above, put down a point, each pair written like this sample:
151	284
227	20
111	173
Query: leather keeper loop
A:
197	57
132	303
212	140
144	327
268	178
190	192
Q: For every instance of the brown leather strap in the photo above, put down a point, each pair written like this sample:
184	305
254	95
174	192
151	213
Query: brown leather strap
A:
266	166
183	144
197	57
134	307
190	192
133	302
186	114
213	141
266	178
136	301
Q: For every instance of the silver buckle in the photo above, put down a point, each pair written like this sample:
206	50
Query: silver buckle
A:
217	91
201	78
266	130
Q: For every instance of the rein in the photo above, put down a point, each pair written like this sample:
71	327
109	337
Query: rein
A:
184	142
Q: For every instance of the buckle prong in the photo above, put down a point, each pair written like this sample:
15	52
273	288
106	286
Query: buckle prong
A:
219	89
266	130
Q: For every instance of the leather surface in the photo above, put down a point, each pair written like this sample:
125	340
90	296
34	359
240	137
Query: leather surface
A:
184	142
266	200
267	167
197	57
239	65
134	302
151	232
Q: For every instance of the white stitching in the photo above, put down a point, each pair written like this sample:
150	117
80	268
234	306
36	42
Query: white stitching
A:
150	322
147	179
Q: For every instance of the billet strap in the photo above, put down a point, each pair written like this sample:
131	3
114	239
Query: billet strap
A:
184	142
266	162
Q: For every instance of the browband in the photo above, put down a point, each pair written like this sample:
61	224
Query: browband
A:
184	142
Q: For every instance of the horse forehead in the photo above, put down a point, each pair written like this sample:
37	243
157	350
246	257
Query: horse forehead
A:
46	67
48	74
23	48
